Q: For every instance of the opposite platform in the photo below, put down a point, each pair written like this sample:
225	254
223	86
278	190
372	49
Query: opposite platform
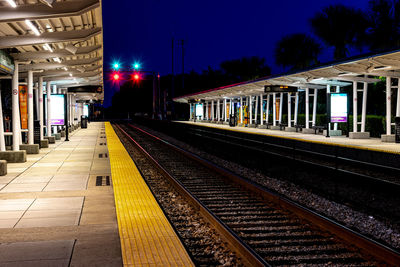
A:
147	238
57	209
373	144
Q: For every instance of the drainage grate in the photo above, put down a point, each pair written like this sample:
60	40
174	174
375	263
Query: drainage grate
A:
102	180
103	144
102	137
101	155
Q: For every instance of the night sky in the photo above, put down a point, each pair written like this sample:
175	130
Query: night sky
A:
213	30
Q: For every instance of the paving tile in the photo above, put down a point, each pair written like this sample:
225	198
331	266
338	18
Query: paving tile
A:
65	186
23	187
57	203
47	222
12	214
21	252
32	179
8	223
37	263
15	204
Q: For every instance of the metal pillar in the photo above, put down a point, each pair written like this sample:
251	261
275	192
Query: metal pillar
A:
15	109
255	109
328	91
355	107
314	111
30	107
296	108
41	119
206	104
48	93
190	112
2	141
289	96
364	107
241	109
218	110
388	106
280	107
212	110
335	125
307	108
274	109
251	109
267	111
224	111
261	110
398	101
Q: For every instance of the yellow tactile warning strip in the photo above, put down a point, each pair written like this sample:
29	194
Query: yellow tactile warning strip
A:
243	130
147	238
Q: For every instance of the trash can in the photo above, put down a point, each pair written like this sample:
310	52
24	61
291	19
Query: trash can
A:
397	129
232	120
84	121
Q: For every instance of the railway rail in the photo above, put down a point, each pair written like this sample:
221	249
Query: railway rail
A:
262	226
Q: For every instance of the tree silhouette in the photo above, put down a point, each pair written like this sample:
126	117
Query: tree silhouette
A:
340	26
246	68
384	20
297	51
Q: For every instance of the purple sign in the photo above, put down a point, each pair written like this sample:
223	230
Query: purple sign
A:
338	107
57	121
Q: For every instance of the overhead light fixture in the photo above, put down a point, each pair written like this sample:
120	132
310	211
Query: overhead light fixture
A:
81	69
382	67
12	3
48	47
72	49
33	27
70	75
56	59
65	68
47	2
49	28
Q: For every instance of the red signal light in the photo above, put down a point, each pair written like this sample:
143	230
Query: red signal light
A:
136	77
116	76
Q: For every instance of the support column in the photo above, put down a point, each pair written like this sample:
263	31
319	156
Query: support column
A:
364	107
241	110
274	109
289	95
30	107
314	113
224	111
40	95
296	108
280	107
48	93
212	110
255	109
2	140
261	110
398	101
355	115
251	110
15	109
388	106
218	110
267	111
307	108
335	125
190	111
206	105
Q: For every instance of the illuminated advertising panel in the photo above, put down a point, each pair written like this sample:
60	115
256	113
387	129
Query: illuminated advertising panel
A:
86	110
57	110
339	105
199	110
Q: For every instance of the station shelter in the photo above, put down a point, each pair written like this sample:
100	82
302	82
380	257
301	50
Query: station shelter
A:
48	47
261	103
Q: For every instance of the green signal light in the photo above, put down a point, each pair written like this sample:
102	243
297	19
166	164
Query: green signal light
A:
116	66
136	66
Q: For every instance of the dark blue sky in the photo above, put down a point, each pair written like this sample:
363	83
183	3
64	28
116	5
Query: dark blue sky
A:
213	30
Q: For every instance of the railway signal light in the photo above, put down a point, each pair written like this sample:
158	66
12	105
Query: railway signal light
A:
116	65
116	77
136	66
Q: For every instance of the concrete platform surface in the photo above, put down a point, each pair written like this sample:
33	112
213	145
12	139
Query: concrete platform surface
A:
51	211
367	144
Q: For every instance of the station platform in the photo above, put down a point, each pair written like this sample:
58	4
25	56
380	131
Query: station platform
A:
372	144
60	208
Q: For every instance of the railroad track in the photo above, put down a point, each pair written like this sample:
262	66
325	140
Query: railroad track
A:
259	224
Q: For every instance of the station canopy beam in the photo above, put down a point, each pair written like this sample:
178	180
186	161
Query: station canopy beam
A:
59	9
81	51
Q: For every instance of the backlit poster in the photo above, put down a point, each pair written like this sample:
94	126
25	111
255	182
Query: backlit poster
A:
23	105
57	110
339	107
199	110
86	110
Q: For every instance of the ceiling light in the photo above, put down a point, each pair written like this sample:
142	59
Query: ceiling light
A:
48	27
33	27
65	68
70	75
48	47
72	49
56	59
12	3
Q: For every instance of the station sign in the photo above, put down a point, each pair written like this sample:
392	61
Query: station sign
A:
6	63
199	110
280	89
338	107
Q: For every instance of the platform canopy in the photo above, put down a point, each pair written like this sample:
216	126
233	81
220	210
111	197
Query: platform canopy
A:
342	73
61	39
